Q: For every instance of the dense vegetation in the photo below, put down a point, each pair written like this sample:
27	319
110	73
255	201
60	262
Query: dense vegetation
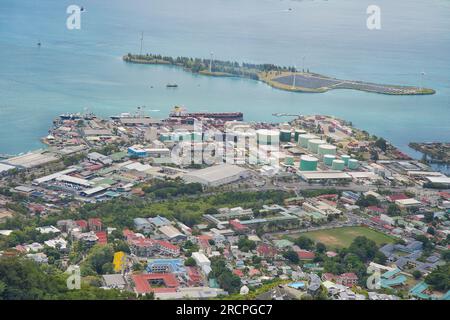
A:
439	279
226	279
23	279
197	65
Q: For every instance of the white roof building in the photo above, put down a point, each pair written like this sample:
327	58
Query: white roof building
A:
216	175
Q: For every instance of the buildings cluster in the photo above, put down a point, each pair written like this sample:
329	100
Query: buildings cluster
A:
374	185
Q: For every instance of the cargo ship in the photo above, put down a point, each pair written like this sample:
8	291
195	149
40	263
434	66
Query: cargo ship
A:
180	112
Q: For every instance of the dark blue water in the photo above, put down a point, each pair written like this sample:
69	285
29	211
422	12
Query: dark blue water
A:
76	69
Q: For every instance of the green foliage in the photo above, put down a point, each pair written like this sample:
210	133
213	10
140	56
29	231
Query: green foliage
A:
98	261
246	245
292	256
318	192
168	189
381	143
416	274
439	279
364	248
368	201
226	279
304	243
25	279
190	262
393	210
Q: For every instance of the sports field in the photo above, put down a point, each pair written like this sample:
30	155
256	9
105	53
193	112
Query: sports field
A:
343	237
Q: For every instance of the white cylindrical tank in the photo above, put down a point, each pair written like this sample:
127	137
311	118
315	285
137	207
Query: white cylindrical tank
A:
268	137
327	149
353	164
328	159
304	138
345	158
338	165
313	145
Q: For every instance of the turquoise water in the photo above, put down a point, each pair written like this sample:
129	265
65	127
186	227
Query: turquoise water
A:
82	68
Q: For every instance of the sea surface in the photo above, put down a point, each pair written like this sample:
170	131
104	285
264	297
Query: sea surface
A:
74	70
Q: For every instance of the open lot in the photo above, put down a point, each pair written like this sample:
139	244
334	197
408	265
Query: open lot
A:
343	237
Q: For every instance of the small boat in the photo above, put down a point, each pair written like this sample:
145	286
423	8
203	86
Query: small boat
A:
172	85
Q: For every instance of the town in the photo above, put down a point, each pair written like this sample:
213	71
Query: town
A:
208	206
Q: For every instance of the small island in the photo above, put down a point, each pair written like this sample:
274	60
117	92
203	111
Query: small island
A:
280	77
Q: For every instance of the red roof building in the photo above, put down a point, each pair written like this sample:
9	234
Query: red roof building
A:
194	276
398	196
237	226
102	237
143	282
266	251
444	195
347	279
82	224
95	224
167	248
238	272
305	255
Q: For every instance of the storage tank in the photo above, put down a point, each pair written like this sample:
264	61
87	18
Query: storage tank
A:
285	135
297	133
304	138
165	137
327	149
183	136
328	159
353	164
196	136
268	137
313	145
289	161
338	165
345	158
308	163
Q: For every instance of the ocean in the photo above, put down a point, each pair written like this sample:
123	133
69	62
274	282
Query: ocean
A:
75	70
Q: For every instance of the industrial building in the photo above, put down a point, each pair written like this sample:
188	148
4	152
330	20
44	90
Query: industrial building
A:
325	176
216	175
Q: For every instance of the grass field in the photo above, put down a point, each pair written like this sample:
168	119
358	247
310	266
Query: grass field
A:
343	237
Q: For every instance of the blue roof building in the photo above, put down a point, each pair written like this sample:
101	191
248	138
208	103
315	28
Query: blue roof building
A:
165	266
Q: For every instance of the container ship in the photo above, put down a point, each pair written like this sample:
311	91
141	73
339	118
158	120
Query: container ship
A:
179	112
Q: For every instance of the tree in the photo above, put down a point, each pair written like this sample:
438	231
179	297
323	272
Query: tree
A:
381	143
292	256
368	201
190	262
98	257
431	230
439	279
393	210
320	247
416	274
364	248
246	245
304	243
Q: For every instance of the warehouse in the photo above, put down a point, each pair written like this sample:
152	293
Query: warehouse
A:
216	175
325	176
